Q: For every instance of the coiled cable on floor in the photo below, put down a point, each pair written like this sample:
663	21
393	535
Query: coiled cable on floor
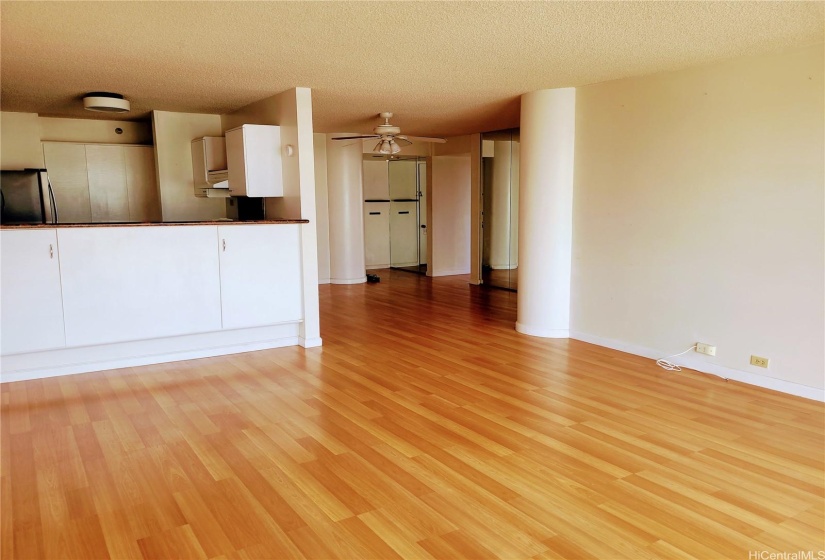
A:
664	363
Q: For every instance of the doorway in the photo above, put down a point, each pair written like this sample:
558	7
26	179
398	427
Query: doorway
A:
395	225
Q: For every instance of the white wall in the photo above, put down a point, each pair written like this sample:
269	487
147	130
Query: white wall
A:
321	206
698	216
173	135
94	131
449	205
20	141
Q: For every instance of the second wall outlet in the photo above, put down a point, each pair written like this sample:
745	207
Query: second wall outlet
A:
759	361
703	348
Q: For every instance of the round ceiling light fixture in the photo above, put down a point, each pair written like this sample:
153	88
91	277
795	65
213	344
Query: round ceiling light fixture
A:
105	102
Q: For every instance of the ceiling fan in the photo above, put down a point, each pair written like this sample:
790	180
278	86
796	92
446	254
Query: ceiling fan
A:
389	136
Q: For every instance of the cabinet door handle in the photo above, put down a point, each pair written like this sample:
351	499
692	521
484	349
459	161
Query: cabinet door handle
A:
224	244
51	251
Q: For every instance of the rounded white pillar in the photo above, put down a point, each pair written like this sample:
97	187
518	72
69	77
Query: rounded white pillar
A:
548	119
346	211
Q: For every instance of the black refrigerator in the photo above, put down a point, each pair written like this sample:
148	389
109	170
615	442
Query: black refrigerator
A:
26	197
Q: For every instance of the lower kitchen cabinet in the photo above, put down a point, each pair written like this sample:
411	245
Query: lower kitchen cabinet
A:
260	275
32	305
78	299
137	283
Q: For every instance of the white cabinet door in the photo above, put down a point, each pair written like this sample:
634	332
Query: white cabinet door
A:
66	164
141	183
404	233
377	234
253	157
260	274
31	314
107	183
135	283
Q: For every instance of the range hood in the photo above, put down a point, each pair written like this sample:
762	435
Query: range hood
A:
211	178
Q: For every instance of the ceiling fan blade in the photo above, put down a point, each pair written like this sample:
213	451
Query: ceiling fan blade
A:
356	137
403	139
424	139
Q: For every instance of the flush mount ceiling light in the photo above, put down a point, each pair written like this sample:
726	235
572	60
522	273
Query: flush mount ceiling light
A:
105	102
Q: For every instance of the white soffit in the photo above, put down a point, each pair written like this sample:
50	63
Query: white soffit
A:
443	68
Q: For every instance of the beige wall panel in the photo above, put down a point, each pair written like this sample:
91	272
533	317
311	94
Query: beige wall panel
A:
698	214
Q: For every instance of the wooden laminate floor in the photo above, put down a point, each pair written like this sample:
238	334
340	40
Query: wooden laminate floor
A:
425	427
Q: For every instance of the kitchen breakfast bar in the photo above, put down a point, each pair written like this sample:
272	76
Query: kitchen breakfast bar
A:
87	297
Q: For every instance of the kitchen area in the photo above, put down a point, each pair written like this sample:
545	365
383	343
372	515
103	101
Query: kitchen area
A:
108	262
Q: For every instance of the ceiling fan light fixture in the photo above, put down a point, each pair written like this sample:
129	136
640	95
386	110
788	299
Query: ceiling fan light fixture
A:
377	147
394	148
384	147
105	102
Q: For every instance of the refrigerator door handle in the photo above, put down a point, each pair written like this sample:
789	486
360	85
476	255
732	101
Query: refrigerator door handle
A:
52	202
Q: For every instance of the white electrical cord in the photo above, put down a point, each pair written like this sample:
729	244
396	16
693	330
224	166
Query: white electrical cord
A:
670	366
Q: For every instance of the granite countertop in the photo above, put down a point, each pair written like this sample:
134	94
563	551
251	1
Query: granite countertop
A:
140	224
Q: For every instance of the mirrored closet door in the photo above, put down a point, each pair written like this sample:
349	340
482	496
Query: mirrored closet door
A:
499	220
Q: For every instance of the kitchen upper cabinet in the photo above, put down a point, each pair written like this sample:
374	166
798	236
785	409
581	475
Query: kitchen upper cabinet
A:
32	309
136	283
253	155
376	180
106	167
66	164
141	184
260	275
208	157
96	183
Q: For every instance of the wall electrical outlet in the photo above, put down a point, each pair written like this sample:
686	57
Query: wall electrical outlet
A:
759	361
703	348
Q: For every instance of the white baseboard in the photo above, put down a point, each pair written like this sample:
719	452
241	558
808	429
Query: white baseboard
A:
360	280
696	363
454	272
68	361
310	342
377	266
323	281
544	333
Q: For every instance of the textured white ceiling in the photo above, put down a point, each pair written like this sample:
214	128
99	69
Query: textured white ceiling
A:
444	68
